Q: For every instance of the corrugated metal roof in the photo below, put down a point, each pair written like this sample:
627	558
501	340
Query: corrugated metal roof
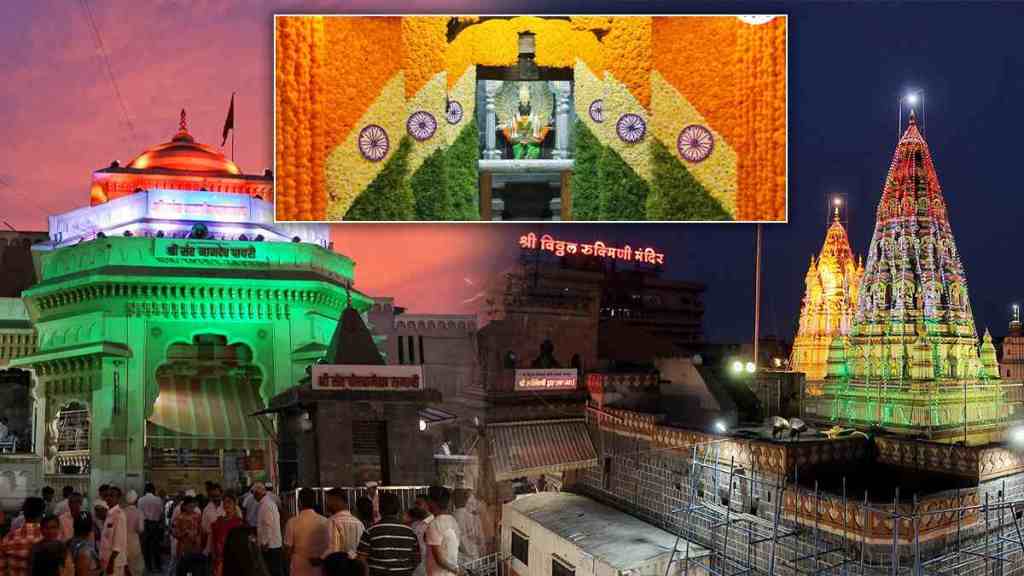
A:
619	540
527	448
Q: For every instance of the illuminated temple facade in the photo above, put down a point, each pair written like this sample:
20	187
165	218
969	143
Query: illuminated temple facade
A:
167	313
912	362
829	304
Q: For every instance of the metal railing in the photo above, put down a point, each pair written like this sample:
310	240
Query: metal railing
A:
406	494
496	564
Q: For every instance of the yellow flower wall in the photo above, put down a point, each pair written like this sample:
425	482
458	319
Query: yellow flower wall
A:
741	94
425	40
670	114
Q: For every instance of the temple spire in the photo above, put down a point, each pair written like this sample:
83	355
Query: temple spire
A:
835	214
183	123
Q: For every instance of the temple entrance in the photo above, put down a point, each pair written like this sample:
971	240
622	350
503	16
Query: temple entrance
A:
201	426
525	115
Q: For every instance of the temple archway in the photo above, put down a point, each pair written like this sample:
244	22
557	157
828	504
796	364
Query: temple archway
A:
201	420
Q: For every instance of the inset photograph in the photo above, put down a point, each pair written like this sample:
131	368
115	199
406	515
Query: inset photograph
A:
525	118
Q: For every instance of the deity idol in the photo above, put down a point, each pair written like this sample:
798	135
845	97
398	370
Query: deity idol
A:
524	128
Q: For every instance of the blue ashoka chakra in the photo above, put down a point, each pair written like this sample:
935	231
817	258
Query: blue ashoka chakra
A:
421	125
373	143
596	110
695	143
454	112
631	128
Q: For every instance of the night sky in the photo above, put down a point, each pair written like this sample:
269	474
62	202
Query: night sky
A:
62	119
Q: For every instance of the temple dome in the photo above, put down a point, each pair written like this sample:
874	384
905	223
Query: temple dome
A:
183	154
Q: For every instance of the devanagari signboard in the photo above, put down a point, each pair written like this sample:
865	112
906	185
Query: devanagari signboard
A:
546	379
547	243
367	377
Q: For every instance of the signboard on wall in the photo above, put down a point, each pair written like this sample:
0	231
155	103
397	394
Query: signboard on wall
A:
367	377
546	379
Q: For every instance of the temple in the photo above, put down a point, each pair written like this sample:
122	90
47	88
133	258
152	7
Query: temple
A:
829	304
912	362
1012	364
169	312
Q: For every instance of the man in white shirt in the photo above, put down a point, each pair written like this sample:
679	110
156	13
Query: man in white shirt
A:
442	536
305	537
268	530
214	509
152	508
345	530
61	507
252	507
114	543
67	518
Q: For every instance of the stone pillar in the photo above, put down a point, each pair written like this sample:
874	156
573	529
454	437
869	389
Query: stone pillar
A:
491	151
561	90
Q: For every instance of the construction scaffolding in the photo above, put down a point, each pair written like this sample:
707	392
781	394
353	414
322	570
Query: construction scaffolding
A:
766	524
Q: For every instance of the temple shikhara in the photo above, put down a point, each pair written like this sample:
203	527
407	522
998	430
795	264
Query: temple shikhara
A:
829	305
912	362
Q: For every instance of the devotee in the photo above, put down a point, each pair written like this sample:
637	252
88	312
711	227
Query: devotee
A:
442	535
252	506
99	520
67	519
152	507
364	511
51	558
423	503
17	544
306	537
389	548
114	539
133	517
467	514
211	512
188	533
83	548
242	553
62	506
48	494
268	530
221	528
50	527
418	523
3	428
345	530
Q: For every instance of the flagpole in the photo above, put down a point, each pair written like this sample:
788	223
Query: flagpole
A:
232	127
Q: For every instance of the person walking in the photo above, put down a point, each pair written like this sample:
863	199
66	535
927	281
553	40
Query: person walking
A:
306	537
442	536
188	533
242	553
268	530
418	522
389	548
16	547
152	508
133	516
61	507
67	519
345	530
214	509
221	528
50	558
114	540
82	547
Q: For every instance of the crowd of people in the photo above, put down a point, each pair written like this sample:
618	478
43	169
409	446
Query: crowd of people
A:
227	533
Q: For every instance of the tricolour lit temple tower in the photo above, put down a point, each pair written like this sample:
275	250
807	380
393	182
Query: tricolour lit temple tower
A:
170	311
912	361
830	300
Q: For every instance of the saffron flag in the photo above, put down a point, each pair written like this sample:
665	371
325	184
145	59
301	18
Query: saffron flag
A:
229	122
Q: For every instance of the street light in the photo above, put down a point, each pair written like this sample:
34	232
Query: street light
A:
751	367
720	426
423	425
737	367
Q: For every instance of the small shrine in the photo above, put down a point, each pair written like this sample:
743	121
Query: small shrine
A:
830	301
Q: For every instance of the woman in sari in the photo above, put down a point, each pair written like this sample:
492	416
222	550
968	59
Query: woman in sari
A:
220	530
